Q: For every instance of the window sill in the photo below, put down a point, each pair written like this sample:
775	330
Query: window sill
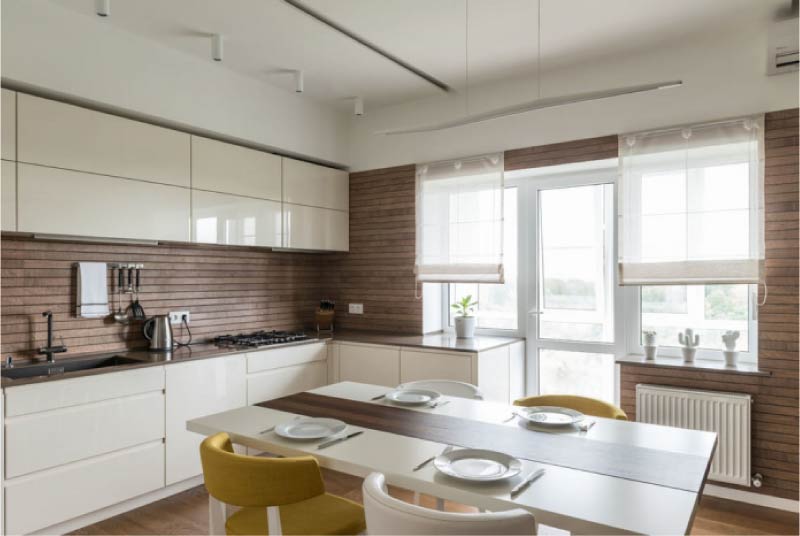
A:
699	364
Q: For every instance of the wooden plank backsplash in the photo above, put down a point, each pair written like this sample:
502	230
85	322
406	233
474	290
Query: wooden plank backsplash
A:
226	289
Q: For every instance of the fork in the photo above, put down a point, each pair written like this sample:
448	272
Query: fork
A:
438	404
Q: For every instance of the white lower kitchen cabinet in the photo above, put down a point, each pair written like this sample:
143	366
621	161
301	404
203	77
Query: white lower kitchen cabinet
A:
195	389
77	445
56	201
368	363
286	381
234	220
426	365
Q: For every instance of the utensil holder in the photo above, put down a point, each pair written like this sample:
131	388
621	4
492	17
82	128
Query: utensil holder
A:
324	320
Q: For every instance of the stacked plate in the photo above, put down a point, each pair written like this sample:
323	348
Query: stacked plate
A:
550	416
310	428
412	397
477	465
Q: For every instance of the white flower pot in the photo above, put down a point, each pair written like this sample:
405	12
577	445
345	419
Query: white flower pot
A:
465	327
730	358
650	352
688	354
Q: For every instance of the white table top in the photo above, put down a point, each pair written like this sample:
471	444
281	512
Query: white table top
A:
578	501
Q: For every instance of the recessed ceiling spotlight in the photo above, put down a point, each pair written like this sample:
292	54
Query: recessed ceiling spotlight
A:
298	81
358	106
217	47
102	8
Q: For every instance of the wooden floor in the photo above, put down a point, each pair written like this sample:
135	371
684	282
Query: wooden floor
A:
186	513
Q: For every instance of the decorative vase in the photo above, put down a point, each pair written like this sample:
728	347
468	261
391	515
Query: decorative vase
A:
689	343
730	358
465	327
650	352
688	354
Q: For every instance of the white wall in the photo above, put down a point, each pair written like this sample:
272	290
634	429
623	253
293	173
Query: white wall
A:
54	49
723	74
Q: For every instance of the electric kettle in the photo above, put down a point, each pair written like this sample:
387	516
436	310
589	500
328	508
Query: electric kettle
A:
158	331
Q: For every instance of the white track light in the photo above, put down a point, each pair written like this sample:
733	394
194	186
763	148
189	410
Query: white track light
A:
102	7
358	106
298	81
217	47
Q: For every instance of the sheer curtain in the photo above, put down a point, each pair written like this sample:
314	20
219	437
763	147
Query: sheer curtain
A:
691	207
460	220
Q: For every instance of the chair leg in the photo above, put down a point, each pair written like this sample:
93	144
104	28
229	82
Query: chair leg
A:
216	516
274	521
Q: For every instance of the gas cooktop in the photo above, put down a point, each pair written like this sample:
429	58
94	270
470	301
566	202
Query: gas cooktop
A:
260	338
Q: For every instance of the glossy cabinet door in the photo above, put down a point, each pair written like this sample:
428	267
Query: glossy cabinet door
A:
233	220
379	365
226	168
315	228
288	356
430	365
56	201
286	381
61	135
8	196
196	389
316	186
8	136
56	495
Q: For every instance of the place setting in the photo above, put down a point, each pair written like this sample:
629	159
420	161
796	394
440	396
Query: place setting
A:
481	466
552	419
422	398
332	431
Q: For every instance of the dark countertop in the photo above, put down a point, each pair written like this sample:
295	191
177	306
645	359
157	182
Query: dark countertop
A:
144	358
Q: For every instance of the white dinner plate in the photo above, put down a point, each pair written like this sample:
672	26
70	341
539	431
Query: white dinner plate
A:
477	465
412	397
550	415
310	428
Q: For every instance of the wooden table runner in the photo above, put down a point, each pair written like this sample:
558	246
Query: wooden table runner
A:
670	469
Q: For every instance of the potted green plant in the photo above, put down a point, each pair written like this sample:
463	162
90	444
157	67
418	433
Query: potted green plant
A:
465	322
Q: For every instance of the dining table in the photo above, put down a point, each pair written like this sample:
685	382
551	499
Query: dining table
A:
613	477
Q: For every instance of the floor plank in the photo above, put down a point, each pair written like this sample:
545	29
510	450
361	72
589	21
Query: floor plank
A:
185	513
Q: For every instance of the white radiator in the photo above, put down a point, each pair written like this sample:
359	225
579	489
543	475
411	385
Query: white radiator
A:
727	414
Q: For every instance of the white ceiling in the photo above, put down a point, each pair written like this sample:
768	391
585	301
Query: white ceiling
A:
263	37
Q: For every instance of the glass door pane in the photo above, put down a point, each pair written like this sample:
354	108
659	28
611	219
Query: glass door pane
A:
576	275
576	373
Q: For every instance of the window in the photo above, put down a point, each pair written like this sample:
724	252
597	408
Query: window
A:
577	373
710	310
497	303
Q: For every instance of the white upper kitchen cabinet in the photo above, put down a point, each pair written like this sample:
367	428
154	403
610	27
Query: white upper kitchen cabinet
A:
315	186
56	201
195	389
315	228
231	169
52	133
233	220
9	120
8	196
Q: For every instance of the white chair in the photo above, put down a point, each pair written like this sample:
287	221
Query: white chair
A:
446	387
387	515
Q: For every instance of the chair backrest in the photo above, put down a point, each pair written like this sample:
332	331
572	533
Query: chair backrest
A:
387	515
256	481
446	387
589	406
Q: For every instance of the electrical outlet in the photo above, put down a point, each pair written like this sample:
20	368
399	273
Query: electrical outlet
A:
176	317
356	308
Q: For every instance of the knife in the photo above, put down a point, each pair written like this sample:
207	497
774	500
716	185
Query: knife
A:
338	440
447	449
378	397
527	482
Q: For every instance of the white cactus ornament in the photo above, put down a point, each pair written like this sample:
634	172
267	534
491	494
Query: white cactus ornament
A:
689	343
649	345
730	353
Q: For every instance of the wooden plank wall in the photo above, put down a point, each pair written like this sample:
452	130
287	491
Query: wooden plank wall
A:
568	152
226	289
379	269
775	399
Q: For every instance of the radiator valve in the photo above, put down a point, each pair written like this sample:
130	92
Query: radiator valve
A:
757	480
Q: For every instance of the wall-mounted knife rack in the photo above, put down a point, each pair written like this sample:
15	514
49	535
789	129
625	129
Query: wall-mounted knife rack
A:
127	266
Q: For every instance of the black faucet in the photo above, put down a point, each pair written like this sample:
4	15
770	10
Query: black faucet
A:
49	350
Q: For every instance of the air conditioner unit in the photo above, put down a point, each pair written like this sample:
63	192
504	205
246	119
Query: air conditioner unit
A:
782	52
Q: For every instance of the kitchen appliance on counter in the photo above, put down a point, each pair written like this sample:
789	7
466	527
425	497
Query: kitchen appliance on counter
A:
259	338
158	331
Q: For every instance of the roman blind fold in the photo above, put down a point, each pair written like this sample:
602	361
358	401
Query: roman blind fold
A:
690	205
460	220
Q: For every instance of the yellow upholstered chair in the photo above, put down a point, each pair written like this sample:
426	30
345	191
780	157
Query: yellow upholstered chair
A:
588	406
276	495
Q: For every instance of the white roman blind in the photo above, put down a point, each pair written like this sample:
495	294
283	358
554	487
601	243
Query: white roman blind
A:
460	220
691	207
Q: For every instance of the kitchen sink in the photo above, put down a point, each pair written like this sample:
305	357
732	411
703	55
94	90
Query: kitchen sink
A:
65	366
